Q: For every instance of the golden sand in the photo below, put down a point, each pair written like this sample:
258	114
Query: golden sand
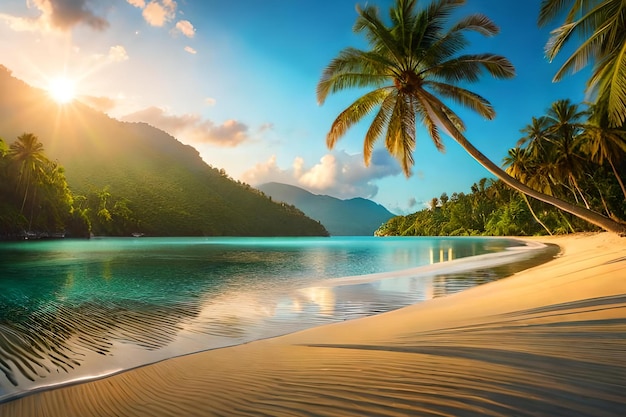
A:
548	341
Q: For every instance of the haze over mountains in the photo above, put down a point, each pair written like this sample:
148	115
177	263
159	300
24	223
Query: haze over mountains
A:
352	217
170	190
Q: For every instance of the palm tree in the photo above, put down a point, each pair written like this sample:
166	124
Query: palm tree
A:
520	165
603	143
412	65
599	24
27	152
563	133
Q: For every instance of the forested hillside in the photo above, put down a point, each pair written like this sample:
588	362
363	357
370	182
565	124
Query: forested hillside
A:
132	177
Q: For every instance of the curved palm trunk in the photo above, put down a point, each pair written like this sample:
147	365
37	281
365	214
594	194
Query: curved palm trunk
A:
619	180
584	213
535	215
577	188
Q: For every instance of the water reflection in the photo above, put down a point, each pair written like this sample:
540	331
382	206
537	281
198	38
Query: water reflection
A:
75	313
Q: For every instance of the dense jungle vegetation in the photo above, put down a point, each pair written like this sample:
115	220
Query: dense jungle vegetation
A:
566	153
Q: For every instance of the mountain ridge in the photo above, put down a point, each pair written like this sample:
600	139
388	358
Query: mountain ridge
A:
350	217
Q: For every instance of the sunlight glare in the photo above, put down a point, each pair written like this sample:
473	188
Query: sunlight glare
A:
62	89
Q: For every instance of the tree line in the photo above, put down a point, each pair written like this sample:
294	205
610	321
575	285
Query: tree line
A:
567	153
36	200
149	196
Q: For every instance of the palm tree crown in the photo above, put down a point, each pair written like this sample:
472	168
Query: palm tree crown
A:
599	24
413	64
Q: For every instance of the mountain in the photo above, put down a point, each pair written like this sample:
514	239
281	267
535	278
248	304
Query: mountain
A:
138	169
353	217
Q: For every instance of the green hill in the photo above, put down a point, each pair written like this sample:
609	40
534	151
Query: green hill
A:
152	182
352	217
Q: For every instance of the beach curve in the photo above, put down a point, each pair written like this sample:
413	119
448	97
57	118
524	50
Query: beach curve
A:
550	340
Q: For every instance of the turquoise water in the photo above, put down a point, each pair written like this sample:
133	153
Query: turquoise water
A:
78	309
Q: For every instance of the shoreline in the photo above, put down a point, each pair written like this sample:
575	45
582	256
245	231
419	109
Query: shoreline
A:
386	362
338	299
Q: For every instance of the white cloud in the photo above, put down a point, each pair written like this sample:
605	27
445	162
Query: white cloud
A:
186	28
56	15
20	24
117	53
338	174
157	13
137	3
321	176
190	50
268	171
231	133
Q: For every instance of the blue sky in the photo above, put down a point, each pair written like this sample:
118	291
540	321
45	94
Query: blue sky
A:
237	81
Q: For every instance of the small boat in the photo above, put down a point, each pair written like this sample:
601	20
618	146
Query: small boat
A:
137	234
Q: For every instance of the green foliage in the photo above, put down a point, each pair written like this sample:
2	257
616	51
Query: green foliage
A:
35	194
132	177
413	65
567	153
494	210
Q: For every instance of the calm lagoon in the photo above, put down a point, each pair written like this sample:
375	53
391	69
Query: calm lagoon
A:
72	310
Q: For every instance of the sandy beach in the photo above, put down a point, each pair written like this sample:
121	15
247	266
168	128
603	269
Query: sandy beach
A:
548	341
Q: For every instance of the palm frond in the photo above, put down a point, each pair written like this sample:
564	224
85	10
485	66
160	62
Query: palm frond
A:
400	139
353	68
440	115
353	114
612	87
464	97
477	23
550	9
380	121
433	131
377	34
469	67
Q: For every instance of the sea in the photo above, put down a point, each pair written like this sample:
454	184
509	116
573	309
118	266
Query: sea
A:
75	310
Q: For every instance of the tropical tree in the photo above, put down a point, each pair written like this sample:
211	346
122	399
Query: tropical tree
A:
599	25
605	144
27	152
565	125
520	165
413	65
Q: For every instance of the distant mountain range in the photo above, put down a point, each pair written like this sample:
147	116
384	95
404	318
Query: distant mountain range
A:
168	188
353	217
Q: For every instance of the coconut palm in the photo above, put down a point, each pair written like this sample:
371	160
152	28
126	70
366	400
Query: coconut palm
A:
599	24
521	165
412	66
565	125
535	135
605	144
27	152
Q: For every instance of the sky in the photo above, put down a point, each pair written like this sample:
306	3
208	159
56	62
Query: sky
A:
237	81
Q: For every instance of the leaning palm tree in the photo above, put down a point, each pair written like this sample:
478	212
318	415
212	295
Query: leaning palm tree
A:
412	66
599	25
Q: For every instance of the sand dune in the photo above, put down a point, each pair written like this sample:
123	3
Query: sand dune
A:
549	341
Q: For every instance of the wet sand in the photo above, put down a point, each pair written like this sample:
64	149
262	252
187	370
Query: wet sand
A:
548	341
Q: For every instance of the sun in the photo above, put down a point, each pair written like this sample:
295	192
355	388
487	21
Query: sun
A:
62	89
